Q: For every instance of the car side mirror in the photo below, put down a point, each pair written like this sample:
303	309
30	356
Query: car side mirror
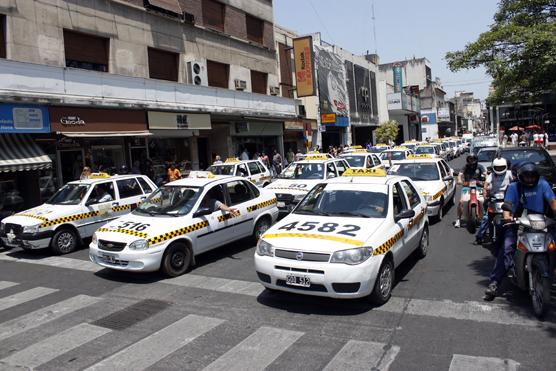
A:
404	214
506	207
448	178
202	211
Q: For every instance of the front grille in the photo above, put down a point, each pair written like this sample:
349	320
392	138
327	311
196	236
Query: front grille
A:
346	288
14	228
299	270
284	197
306	256
110	245
313	287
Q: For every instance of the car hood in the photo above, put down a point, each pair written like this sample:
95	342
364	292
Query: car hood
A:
42	213
293	186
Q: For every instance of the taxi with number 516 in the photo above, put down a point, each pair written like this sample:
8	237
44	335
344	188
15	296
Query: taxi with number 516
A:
346	237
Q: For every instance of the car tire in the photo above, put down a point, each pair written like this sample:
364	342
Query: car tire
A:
176	260
64	241
438	218
423	247
262	225
384	283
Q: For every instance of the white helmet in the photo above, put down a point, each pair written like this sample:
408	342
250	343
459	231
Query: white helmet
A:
499	165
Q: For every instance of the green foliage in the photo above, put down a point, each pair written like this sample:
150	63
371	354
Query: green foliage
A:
388	130
519	50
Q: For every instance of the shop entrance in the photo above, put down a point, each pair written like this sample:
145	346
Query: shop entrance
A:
108	157
202	151
70	164
331	137
254	145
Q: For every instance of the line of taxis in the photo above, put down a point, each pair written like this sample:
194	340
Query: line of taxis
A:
346	228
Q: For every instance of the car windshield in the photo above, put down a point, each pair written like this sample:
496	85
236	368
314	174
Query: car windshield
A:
396	155
222	169
70	194
410	146
303	170
170	200
486	156
355	161
424	150
329	201
527	155
377	149
416	171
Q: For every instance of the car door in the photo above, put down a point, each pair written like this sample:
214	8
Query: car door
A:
129	193
146	186
399	203
341	166
217	233
414	225
239	196
100	202
255	172
331	170
450	184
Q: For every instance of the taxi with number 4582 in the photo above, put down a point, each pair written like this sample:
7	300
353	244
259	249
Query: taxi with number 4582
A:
182	219
346	237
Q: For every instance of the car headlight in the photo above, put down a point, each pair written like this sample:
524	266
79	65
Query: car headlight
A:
352	256
94	240
264	248
31	228
139	245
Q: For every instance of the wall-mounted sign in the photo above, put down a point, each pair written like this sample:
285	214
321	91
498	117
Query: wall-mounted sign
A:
304	70
15	118
398	78
328	118
428	117
178	120
71	121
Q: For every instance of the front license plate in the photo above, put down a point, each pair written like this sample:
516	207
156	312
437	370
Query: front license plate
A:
281	204
302	281
109	258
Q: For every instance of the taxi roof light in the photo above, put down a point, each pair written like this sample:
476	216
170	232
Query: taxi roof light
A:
376	171
423	155
315	157
231	160
201	174
100	175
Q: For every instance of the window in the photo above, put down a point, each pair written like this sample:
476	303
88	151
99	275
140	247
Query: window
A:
86	51
241	170
163	65
262	168
254	190
442	170
102	192
255	28
286	79
128	188
376	160
2	36
218	74
341	166
399	199
258	82
214	194
146	187
253	168
214	14
239	192
411	193
330	170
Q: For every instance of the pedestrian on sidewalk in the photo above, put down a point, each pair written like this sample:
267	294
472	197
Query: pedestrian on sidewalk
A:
85	174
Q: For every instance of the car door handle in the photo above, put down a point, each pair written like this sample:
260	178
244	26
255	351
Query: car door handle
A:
143	198
115	203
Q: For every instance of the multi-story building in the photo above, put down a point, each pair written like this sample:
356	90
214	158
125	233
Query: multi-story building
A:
142	83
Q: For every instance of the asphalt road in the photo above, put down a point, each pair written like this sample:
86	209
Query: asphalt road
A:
65	313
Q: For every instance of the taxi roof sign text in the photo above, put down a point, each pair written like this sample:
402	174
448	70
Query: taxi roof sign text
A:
365	172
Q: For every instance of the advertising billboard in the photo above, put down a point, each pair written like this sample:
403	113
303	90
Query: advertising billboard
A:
333	95
304	70
23	118
398	78
428	117
444	114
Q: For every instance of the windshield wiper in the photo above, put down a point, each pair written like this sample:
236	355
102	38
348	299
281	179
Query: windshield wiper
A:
352	213
312	212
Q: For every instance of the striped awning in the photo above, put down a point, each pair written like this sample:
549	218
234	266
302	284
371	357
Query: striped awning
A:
18	152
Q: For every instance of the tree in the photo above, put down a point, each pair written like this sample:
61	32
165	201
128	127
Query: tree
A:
386	131
519	51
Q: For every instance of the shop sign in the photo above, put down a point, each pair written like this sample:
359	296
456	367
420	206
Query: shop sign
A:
66	142
444	114
72	121
322	128
178	120
89	120
428	117
398	78
293	125
304	71
328	118
16	118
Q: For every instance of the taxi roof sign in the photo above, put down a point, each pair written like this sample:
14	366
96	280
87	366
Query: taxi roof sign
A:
377	171
381	145
356	147
231	160
400	147
100	175
316	157
423	155
201	174
359	150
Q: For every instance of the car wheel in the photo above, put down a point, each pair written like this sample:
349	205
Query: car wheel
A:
176	260
440	214
423	247
261	227
384	283
64	241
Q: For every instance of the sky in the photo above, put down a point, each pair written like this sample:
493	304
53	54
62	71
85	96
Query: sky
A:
404	29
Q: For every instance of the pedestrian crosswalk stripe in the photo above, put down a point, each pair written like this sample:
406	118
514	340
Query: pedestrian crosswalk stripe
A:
153	348
217	284
466	363
257	351
7	284
24	296
363	355
44	315
55	261
54	346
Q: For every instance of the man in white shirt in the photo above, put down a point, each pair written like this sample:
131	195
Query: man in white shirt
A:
244	155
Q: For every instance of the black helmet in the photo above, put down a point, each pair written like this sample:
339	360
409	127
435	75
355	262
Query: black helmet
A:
472	159
528	169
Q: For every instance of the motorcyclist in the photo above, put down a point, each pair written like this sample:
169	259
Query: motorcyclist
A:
530	193
497	181
471	171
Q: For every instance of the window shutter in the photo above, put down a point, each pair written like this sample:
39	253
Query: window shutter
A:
86	48
163	65
258	82
218	74
255	29
213	14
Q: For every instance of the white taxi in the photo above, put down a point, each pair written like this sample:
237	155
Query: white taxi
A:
379	148
428	149
253	170
182	219
345	239
75	212
362	159
391	156
299	177
435	180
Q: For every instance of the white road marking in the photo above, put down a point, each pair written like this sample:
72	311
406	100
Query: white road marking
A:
7	284
147	351
466	363
24	296
363	355
217	284
54	346
56	261
45	315
257	351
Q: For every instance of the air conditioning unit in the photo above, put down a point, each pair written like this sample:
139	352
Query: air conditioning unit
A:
300	110
274	90
240	84
197	73
188	18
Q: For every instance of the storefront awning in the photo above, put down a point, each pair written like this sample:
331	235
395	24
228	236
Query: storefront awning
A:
18	152
102	134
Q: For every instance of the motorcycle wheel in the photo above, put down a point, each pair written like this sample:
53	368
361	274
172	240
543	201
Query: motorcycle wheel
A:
540	295
472	220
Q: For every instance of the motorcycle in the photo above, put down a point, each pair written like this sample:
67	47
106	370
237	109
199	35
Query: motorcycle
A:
494	212
472	212
534	260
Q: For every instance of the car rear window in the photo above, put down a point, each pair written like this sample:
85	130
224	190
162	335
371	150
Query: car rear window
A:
527	155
